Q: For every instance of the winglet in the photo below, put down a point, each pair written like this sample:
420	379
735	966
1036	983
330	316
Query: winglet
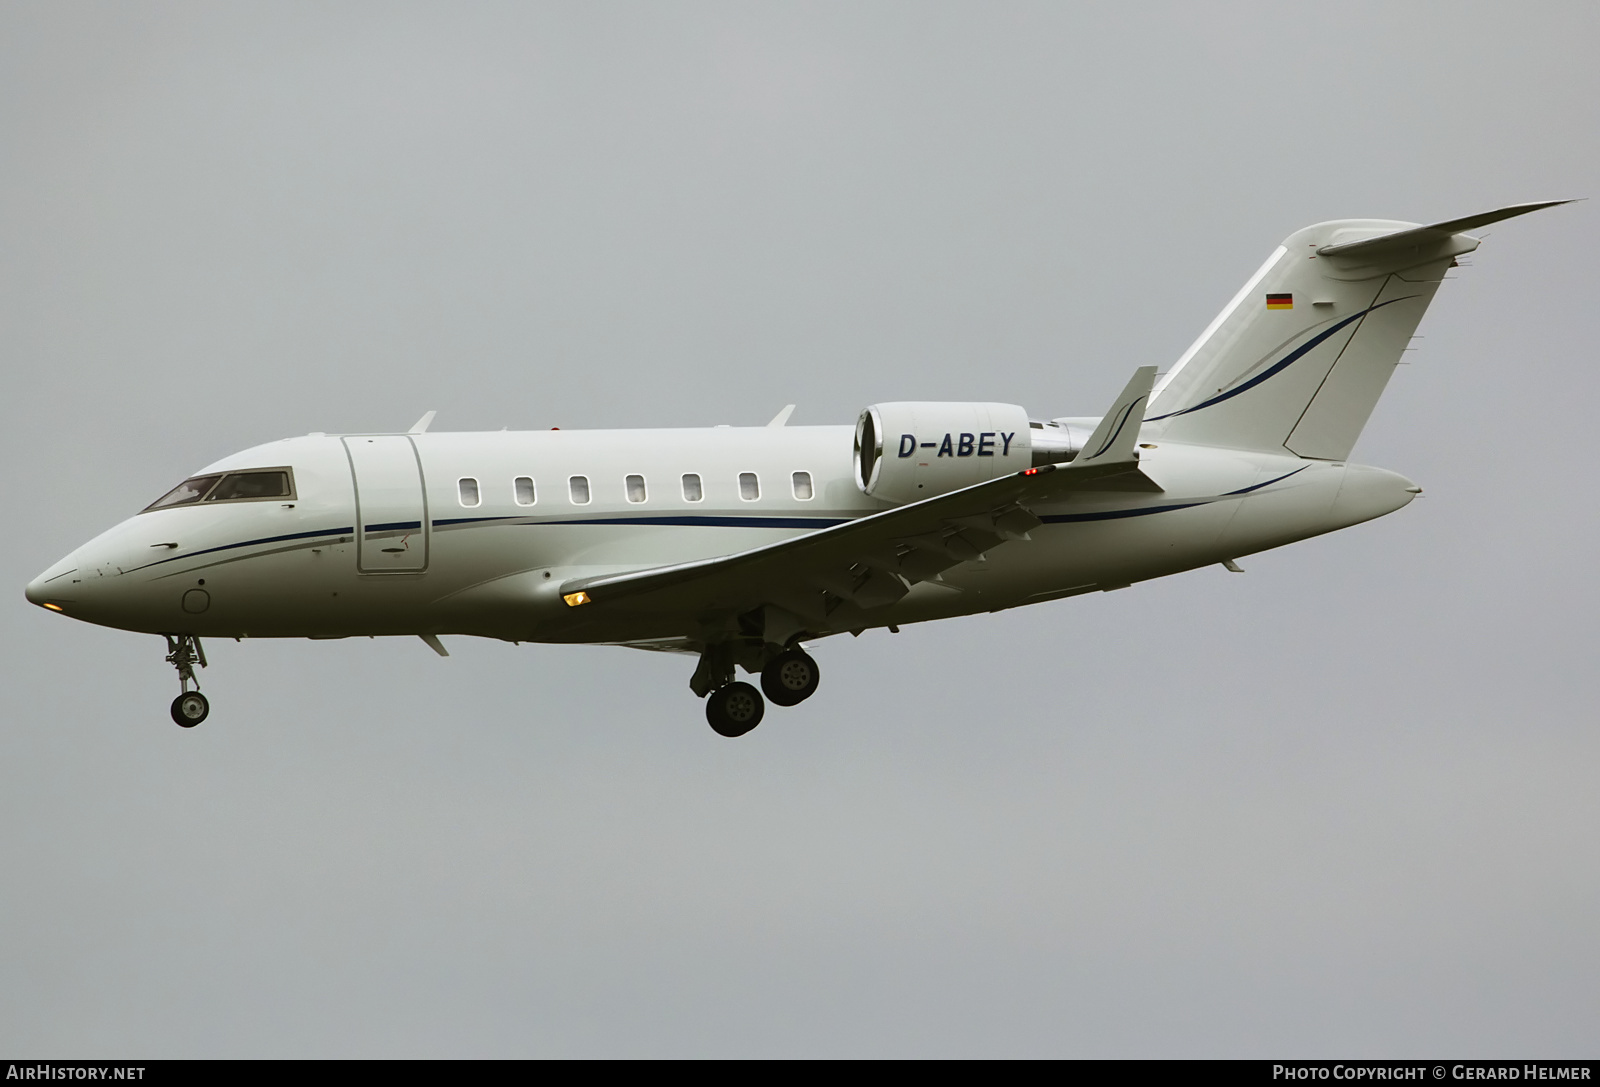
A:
783	416
421	425
1113	440
1434	232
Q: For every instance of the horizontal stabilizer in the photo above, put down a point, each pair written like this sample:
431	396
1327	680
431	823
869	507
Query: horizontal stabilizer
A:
1427	235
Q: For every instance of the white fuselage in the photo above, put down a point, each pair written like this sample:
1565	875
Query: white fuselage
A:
425	561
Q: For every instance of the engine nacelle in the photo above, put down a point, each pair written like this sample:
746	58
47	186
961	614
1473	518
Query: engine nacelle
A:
909	451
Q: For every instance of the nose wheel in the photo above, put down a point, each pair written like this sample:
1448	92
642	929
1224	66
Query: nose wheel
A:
184	651
188	710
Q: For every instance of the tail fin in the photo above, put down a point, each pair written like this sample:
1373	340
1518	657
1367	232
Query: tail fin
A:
1300	356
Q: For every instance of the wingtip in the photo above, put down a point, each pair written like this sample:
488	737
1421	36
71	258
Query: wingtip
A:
1511	211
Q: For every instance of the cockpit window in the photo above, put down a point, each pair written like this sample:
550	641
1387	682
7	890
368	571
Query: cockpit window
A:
233	487
190	490
238	485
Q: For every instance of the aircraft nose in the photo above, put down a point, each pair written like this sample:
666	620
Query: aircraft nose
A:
52	588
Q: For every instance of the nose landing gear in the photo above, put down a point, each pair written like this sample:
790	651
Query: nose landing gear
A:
183	652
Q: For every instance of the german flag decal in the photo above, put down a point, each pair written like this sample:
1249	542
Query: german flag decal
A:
1280	301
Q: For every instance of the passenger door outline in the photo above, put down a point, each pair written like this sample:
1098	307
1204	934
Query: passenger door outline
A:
392	526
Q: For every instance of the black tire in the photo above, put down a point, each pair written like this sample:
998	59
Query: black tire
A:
190	709
735	709
790	678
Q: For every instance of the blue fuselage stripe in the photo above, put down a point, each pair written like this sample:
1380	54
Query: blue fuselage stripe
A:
707	521
681	520
716	522
251	543
1268	483
1111	515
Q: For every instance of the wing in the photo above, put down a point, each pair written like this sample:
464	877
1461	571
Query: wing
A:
873	561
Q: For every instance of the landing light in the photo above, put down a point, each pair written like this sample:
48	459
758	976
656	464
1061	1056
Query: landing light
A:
574	599
54	607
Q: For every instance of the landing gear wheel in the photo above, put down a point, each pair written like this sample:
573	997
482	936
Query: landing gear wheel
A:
190	709
735	709
790	678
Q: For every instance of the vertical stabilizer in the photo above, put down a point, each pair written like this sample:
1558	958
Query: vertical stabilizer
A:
1298	359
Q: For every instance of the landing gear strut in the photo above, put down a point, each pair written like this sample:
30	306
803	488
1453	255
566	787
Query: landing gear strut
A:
184	651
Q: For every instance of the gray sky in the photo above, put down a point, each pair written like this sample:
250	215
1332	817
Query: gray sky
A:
1341	805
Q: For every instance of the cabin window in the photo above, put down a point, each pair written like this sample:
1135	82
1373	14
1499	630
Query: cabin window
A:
635	486
749	486
522	487
802	485
692	491
467	491
578	488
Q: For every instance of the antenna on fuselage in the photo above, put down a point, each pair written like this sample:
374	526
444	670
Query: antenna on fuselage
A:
783	416
421	425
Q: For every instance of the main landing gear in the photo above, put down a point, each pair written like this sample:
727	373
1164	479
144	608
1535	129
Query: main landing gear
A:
734	708
183	653
790	678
